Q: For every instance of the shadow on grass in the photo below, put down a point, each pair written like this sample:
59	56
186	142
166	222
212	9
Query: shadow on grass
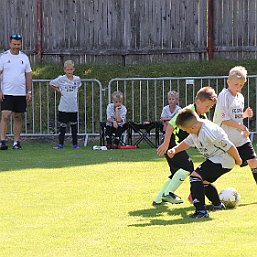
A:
178	216
246	204
42	155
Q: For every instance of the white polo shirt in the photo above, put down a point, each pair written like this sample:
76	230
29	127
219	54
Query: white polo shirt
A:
13	69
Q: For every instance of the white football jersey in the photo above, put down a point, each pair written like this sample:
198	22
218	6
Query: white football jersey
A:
230	107
110	113
166	112
69	92
213	143
13	69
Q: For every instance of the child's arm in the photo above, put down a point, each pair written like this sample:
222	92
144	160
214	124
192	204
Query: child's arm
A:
234	124
239	126
117	114
234	153
178	148
162	149
57	89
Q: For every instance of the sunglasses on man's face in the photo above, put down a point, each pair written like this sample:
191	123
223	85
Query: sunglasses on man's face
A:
16	37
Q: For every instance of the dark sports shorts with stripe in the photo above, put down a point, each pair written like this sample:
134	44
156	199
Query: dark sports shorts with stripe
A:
246	152
14	103
211	171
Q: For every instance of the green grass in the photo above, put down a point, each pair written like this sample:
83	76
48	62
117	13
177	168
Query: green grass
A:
98	203
105	73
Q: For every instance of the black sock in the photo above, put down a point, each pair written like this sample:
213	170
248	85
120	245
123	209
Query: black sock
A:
62	135
197	192
254	171
74	132
212	194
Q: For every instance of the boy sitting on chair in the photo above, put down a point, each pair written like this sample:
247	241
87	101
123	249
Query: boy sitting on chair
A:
116	117
221	155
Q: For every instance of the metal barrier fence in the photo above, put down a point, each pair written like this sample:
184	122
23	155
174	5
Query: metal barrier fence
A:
41	116
145	97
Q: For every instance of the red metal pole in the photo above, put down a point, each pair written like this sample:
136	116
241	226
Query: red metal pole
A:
39	32
210	47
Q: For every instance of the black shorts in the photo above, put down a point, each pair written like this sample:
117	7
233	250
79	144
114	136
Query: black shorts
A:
246	152
180	161
14	103
211	171
66	117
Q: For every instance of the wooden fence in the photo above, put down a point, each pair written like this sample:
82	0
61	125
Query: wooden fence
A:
129	31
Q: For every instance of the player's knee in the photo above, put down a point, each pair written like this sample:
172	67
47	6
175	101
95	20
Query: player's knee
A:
252	163
195	175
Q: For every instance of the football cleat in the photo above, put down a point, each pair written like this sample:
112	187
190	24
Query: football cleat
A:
212	207
172	198
16	146
59	146
199	215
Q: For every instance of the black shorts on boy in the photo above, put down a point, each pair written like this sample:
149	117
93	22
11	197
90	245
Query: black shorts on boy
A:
246	152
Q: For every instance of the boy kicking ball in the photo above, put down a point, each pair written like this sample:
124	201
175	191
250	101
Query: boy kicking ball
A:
221	155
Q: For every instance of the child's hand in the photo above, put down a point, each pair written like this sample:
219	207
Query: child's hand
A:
162	149
246	133
171	152
115	124
248	113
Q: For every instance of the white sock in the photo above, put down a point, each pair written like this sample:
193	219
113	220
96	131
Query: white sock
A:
176	181
158	198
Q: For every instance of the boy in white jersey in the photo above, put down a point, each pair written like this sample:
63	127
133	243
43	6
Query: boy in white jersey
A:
170	110
15	89
67	85
116	118
213	143
229	114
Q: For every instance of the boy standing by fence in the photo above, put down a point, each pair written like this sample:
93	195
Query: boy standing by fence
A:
229	114
213	143
67	85
181	166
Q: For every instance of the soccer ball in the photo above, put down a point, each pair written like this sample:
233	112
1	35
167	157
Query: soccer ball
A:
230	197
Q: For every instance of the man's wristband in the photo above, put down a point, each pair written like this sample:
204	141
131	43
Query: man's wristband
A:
29	92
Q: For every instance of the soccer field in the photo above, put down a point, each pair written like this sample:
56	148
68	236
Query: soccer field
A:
98	203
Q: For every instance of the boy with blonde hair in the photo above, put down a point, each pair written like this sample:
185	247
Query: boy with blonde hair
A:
116	118
170	110
220	153
229	114
67	85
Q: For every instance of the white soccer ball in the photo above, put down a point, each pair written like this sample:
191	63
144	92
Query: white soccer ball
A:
230	197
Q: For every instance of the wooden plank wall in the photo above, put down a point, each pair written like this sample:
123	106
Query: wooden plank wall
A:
131	31
235	29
